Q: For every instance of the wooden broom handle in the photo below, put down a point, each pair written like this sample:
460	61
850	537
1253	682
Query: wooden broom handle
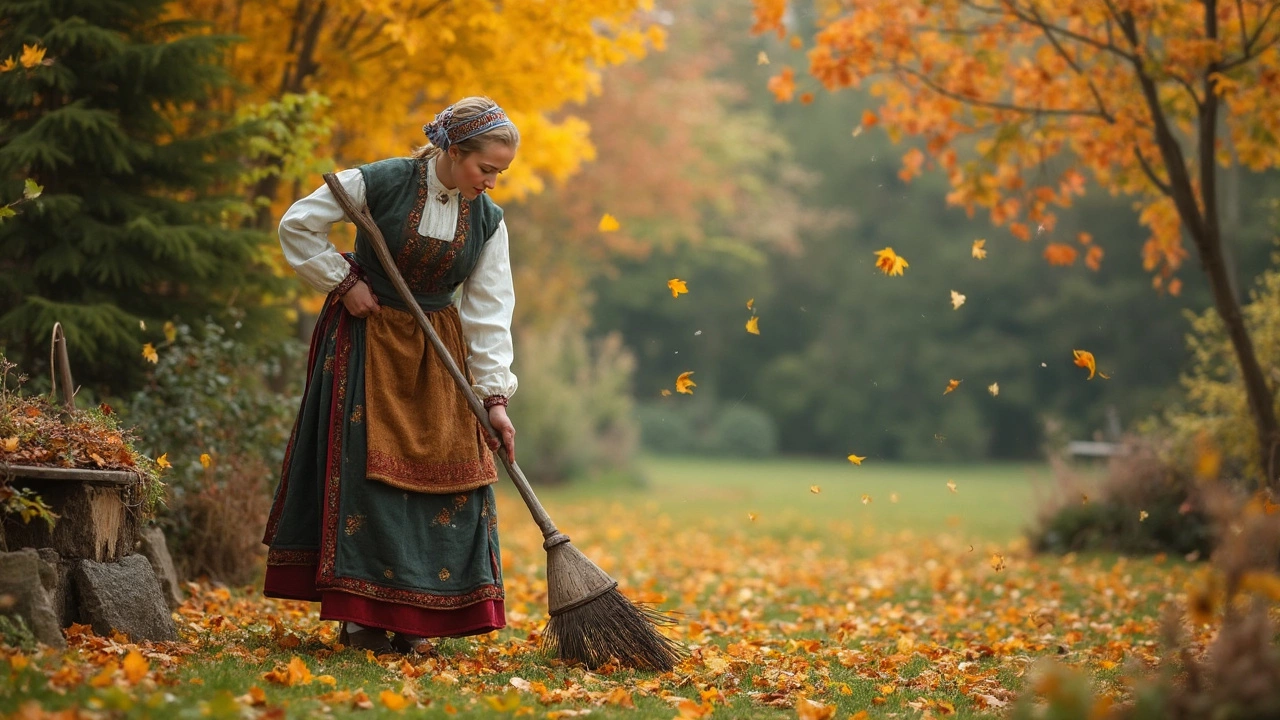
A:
360	216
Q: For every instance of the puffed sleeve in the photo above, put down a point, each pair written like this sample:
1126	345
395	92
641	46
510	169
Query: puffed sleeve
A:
304	233
485	308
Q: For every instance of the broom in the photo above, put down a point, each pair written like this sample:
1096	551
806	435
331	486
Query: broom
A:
591	622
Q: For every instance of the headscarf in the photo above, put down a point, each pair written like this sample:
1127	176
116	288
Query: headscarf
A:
445	130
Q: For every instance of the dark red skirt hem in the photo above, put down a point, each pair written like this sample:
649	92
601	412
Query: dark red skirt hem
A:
297	582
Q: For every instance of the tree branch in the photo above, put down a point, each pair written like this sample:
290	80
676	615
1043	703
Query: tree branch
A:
994	104
1048	33
1151	173
1011	8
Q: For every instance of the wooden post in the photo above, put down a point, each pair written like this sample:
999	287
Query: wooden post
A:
60	367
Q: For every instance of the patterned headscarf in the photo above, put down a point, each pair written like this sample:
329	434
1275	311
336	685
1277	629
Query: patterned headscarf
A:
444	130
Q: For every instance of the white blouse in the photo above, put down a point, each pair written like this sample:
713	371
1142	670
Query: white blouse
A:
488	297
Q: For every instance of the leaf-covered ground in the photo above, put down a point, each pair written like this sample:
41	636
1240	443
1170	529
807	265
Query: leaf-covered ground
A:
791	603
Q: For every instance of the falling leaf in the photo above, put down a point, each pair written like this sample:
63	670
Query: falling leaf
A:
170	331
893	497
751	304
1093	259
889	262
753	325
951	386
135	667
31	189
664	392
807	709
163	461
32	55
869	119
951	485
806	98
10	444
796	43
206	460
8	64
677	286
684	384
815	489
762	58
149	354
783	85
857	131
392	700
1084	359
608	223
857	459
866	499
979	250
751	516
994	389
997	562
1142	515
1060	254
142	325
956	300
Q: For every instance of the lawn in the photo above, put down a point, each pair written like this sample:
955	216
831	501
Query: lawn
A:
790	588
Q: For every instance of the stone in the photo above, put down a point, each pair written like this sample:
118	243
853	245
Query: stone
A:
93	521
124	596
153	546
55	575
22	586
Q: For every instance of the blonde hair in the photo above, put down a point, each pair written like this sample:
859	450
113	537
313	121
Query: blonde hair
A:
465	109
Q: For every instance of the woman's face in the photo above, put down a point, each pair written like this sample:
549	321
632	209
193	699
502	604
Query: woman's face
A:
477	172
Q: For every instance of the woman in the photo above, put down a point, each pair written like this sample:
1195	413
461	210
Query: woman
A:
385	511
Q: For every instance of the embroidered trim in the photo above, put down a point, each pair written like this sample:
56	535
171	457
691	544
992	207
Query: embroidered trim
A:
421	254
495	400
416	598
463	131
436	478
292	557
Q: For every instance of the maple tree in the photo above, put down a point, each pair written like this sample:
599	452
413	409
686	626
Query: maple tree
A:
386	68
1149	98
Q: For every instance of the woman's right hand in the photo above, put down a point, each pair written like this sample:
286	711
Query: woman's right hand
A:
360	300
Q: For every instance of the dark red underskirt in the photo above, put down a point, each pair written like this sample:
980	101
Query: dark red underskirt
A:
298	582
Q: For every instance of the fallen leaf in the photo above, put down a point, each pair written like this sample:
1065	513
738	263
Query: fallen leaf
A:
608	223
149	354
889	262
951	386
807	709
753	325
994	389
10	444
857	460
392	700
677	286
684	384
135	667
979	250
256	697
997	562
956	300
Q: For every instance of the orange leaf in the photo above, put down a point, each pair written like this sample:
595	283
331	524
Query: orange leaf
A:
393	700
889	262
783	85
997	562
149	354
684	384
1084	359
608	223
951	386
815	489
677	286
135	667
163	461
1060	254
807	709
869	119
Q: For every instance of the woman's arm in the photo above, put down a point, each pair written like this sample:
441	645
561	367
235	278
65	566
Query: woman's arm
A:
485	309
304	233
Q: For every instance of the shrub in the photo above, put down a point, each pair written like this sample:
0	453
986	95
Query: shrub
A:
219	409
702	426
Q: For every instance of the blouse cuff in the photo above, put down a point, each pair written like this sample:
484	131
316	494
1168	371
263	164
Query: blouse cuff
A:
353	276
495	400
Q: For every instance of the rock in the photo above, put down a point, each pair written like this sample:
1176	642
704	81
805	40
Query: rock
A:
55	575
156	550
94	521
125	596
20	579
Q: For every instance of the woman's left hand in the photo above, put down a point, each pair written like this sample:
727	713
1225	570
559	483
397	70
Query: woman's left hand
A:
502	424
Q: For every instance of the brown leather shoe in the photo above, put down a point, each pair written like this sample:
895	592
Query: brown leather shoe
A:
410	645
366	639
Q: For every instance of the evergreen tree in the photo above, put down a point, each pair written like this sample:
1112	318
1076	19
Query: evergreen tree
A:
139	220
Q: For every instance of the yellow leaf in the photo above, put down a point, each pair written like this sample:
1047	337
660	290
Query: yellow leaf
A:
8	64
170	331
762	58
149	354
751	303
664	392
135	667
677	286
608	223
393	700
32	55
163	461
1084	359
857	459
327	680
506	703
994	389
979	250
889	262
206	460
684	384
815	489
866	499
952	385
1142	515
807	709
753	325
951	485
751	516
956	300
10	444
106	676
997	562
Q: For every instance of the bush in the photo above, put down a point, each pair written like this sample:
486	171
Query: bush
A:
698	426
1142	505
573	412
216	407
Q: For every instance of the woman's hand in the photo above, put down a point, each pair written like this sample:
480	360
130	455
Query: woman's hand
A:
501	423
360	300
